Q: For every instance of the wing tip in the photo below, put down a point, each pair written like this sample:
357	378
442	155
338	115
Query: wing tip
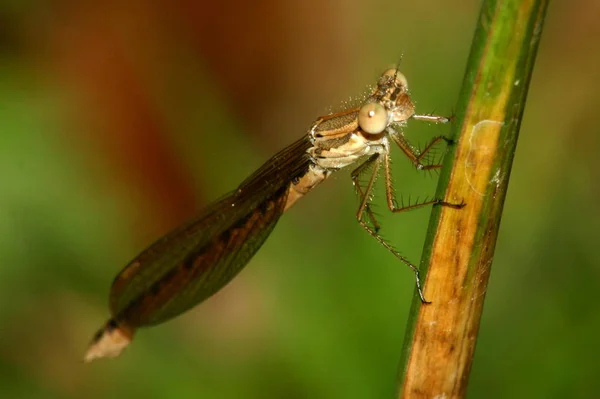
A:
109	341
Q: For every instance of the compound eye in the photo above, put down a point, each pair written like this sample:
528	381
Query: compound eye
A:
399	77
372	118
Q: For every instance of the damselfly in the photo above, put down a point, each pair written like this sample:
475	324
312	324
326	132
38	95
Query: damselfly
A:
197	259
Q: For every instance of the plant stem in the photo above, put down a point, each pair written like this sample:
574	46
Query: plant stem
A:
440	341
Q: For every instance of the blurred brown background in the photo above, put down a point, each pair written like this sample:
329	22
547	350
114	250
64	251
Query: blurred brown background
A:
120	120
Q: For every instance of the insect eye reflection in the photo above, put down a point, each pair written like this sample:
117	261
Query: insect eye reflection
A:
373	118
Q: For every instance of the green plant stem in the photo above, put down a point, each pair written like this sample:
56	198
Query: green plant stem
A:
441	336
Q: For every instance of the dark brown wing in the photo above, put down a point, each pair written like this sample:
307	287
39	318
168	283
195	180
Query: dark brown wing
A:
197	259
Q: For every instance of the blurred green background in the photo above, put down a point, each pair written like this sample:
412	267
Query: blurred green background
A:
119	120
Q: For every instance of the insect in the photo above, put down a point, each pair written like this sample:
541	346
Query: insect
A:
197	259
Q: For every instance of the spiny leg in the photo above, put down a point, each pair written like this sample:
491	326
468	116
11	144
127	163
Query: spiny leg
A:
416	157
425	151
355	175
391	196
391	202
362	210
432	118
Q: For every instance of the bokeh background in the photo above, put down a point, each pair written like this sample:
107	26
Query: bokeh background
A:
119	120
